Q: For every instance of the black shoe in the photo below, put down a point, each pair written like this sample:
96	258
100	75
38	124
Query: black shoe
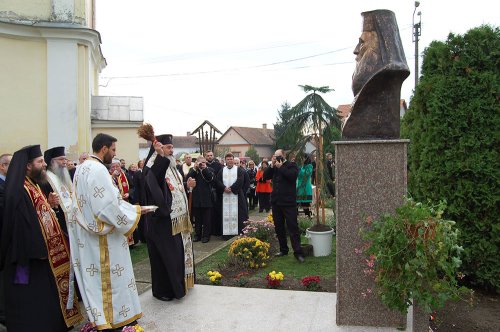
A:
196	239
300	258
205	239
267	210
260	211
280	254
164	298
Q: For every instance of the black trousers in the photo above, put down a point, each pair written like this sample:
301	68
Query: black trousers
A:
203	221
287	215
252	199
264	201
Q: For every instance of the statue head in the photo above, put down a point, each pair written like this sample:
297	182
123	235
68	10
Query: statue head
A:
379	47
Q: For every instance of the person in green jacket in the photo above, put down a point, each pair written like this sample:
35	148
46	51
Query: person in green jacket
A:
304	186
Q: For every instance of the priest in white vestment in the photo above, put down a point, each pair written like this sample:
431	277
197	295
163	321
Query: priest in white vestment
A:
98	229
230	182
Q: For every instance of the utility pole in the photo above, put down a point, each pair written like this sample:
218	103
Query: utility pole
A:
416	33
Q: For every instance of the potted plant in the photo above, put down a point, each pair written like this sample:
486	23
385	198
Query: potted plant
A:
312	117
414	256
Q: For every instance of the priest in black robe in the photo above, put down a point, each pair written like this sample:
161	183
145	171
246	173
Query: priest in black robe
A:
166	251
34	252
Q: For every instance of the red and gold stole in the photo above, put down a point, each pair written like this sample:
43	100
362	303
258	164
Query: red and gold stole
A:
57	249
123	184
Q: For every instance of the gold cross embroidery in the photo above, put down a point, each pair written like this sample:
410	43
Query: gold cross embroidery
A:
118	270
76	264
81	201
124	311
92	270
122	220
98	192
80	244
132	284
95	314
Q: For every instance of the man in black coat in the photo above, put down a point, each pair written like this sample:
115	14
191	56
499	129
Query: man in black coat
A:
284	202
216	166
202	203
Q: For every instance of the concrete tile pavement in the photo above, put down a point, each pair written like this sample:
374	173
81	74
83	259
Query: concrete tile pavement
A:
213	308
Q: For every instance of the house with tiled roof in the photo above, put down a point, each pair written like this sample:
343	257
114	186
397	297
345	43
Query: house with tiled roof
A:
345	109
182	144
239	139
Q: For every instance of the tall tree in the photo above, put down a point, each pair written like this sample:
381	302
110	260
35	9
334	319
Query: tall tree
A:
285	142
311	118
453	125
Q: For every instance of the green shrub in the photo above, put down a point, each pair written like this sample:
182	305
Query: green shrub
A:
414	257
453	124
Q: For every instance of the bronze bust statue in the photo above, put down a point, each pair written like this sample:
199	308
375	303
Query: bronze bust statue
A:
376	83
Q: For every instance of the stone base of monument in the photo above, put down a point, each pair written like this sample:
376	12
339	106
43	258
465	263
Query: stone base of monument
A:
371	179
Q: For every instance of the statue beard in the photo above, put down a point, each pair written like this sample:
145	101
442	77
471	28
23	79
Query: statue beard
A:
366	67
39	176
62	173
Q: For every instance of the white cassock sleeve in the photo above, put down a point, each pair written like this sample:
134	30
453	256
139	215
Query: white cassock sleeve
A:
110	212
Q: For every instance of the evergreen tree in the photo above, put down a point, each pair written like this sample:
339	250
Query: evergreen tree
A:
253	155
453	123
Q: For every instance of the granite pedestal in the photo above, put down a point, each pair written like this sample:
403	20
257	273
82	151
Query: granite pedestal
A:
371	180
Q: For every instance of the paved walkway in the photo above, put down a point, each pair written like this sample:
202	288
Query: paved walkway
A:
213	308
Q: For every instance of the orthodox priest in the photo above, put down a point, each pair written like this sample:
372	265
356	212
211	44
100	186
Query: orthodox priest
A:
34	252
98	230
59	184
234	212
168	230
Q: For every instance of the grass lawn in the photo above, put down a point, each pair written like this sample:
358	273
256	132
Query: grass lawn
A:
139	253
288	265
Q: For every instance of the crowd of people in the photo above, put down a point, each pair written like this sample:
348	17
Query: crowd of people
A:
66	229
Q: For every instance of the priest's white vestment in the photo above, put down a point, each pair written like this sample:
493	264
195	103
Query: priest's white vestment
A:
98	228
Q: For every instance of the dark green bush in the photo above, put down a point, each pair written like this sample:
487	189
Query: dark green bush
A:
454	126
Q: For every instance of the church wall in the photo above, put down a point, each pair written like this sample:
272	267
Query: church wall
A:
84	141
23	97
62	94
67	11
26	10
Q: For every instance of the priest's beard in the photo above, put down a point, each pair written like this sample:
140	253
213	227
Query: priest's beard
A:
62	173
172	162
38	175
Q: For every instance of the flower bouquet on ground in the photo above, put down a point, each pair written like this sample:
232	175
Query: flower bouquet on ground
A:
311	283
215	277
250	251
270	218
261	229
89	327
274	279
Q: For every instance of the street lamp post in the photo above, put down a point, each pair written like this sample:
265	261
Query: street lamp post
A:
416	33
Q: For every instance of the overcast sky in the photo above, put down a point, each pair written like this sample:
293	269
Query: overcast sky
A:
234	63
